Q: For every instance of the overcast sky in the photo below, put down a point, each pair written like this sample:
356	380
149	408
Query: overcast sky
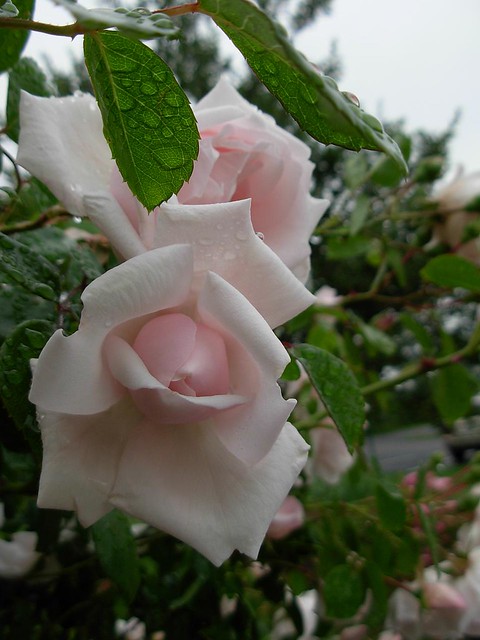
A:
415	59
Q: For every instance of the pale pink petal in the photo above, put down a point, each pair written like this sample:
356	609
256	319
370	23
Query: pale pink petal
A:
165	344
224	241
71	375
158	402
18	555
191	487
80	459
288	518
105	212
62	144
256	360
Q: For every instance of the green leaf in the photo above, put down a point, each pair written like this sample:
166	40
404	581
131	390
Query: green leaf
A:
26	75
345	248
291	371
420	332
313	99
136	23
452	271
24	267
343	591
386	172
147	119
17	350
359	214
14	40
378	340
337	388
391	507
452	391
355	170
116	550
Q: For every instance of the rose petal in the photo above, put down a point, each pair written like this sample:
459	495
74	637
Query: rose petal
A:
62	144
80	458
224	241
257	358
191	487
155	400
71	376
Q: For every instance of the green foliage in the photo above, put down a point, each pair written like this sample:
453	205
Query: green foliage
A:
14	40
452	391
452	271
25	343
26	75
343	591
148	121
311	98
337	388
391	507
117	553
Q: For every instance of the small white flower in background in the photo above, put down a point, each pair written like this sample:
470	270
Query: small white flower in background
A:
18	555
452	199
132	629
327	296
330	457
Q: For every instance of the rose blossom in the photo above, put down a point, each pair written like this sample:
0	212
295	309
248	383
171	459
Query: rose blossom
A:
243	155
288	518
451	200
330	456
165	403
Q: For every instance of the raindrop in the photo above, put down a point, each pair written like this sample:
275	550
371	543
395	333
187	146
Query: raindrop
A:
308	95
373	122
260	235
125	102
108	324
351	97
127	82
151	119
77	219
173	99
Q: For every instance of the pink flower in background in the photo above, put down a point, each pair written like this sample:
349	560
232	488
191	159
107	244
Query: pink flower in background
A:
451	200
243	155
288	518
18	555
165	403
330	456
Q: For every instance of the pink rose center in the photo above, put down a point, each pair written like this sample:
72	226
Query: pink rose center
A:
185	356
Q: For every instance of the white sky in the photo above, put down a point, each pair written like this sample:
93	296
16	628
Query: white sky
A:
415	59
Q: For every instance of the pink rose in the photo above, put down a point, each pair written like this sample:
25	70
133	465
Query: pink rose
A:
330	456
288	518
165	403
451	200
243	155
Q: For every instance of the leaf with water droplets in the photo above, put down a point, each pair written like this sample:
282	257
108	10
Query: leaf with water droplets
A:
338	389
147	118
23	344
14	40
314	100
136	23
27	268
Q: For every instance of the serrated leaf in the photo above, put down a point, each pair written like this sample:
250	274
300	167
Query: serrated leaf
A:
25	343
117	553
391	507
27	75
136	23
313	99
147	118
343	591
14	40
337	388
26	268
452	391
452	271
